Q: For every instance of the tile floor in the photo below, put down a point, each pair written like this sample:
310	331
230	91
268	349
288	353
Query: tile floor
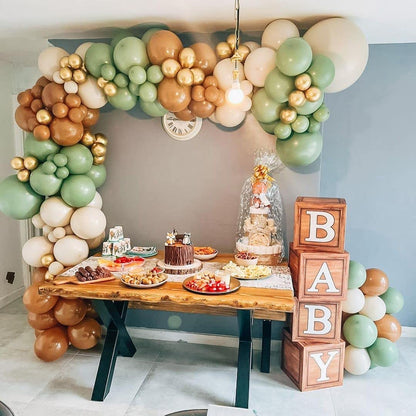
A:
169	376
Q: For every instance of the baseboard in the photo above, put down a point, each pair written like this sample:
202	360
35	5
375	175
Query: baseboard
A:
408	332
12	296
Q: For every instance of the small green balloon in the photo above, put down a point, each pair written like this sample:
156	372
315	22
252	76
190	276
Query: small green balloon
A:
97	55
154	74
78	190
123	99
39	149
383	352
108	72
134	88
149	33
50	158
62	172
137	74
301	124
322	71
321	114
79	158
393	299
121	80
98	174
60	160
309	107
314	126
43	183
356	274
153	109
148	92
282	131
128	52
48	168
360	331
121	34
17	199
269	127
294	56
264	108
278	86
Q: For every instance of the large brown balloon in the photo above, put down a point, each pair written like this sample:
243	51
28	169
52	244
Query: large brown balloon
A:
172	96
185	115
205	57
92	116
53	93
22	115
85	335
65	132
164	44
25	98
376	283
51	344
38	274
388	327
70	311
34	302
42	320
202	109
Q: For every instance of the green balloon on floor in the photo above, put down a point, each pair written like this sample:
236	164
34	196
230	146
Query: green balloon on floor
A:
356	275
78	190
359	331
383	352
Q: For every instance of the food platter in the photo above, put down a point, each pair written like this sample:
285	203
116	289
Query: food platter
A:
252	272
234	286
204	257
205	253
142	286
145	279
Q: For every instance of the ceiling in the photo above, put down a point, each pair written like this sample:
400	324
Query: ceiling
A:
26	24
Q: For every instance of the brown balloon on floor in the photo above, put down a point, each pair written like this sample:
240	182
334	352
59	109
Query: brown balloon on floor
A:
51	344
42	320
37	303
70	311
85	335
389	327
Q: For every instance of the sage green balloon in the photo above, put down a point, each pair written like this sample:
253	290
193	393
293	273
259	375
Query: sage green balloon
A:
98	54
154	74
264	108
393	299
78	190
360	331
108	72
44	183
148	92
321	114
121	80
62	172
48	168
282	131
301	124
322	71
123	99
269	127
128	52
356	275
309	107
17	199
98	174
79	158
39	149
121	34
137	74
153	109
149	33
60	160
278	86
383	352
314	126
294	56
300	149
134	88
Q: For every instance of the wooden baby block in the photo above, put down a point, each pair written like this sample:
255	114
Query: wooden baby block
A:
313	366
320	224
319	322
319	276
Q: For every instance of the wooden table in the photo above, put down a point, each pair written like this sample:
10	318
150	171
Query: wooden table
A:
112	299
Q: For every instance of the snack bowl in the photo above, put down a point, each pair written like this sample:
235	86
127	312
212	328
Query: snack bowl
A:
204	257
145	278
246	259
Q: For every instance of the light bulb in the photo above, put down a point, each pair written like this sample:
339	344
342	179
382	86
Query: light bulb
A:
235	94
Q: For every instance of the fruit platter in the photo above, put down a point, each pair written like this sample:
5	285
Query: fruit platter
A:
205	253
251	272
121	264
145	278
208	283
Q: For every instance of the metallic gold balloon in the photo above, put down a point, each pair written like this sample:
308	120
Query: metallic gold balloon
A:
297	98
49	277
110	89
98	149
313	94
23	175
65	74
17	163
231	39
185	77
64	62
223	50
288	115
75	61
101	138
199	75
79	76
88	139
43	116
101	82
243	51
47	259
303	82
170	67
187	57
99	160
30	163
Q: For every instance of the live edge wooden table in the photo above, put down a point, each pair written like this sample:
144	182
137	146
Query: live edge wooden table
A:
112	299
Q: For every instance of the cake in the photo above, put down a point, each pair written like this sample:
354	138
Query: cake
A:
178	249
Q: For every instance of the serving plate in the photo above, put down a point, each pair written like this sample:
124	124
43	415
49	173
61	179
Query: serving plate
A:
206	256
234	286
142	286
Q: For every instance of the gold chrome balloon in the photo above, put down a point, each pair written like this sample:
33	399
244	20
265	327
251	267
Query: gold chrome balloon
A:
17	163
64	61
98	149
231	40
88	139
288	115
110	89
49	276
79	76
243	51
99	160
47	259
23	175
43	116
65	74
75	61
199	75
187	57
101	82
170	67
185	77
223	50
101	138
303	82
30	163
297	98
313	94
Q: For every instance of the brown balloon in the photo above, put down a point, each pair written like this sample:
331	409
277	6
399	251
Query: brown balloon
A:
70	311
36	105
185	115
212	93
92	116
32	123
221	98
53	93
73	100
376	283
164	44
22	115
25	98
172	96
91	312
42	133
38	274
389	327
42	81
65	132
205	57
85	335
198	93
42	320
60	110
37	303
84	109
38	332
210	80
51	344
36	91
202	109
76	115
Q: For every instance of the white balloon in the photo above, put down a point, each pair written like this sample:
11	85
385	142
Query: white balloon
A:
91	94
37	221
48	61
46	229
71	87
97	201
70	250
82	49
374	308
357	360
345	44
34	249
59	232
354	302
57	78
252	45
258	65
96	242
246	86
52	238
223	71
229	116
55	212
88	222
55	268
245	105
277	32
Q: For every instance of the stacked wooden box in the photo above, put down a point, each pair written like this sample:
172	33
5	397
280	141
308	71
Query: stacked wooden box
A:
313	353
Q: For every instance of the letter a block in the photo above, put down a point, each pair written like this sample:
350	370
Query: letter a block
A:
313	366
320	224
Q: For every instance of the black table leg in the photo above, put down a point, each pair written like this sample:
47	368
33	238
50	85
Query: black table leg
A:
265	346
245	324
117	341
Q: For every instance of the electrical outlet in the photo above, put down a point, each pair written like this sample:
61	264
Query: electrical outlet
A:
10	277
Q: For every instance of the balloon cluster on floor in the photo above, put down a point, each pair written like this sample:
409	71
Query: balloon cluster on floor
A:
369	327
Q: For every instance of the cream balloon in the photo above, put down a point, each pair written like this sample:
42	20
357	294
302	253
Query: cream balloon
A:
246	86
56	77
229	116
245	105
52	238
37	221
252	45
223	71
213	118
258	65
277	32
345	44
88	222
91	94
55	268
82	49
55	212
34	249
70	250
354	302
48	61
374	308
59	232
357	360
46	229
71	87
97	201
96	242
